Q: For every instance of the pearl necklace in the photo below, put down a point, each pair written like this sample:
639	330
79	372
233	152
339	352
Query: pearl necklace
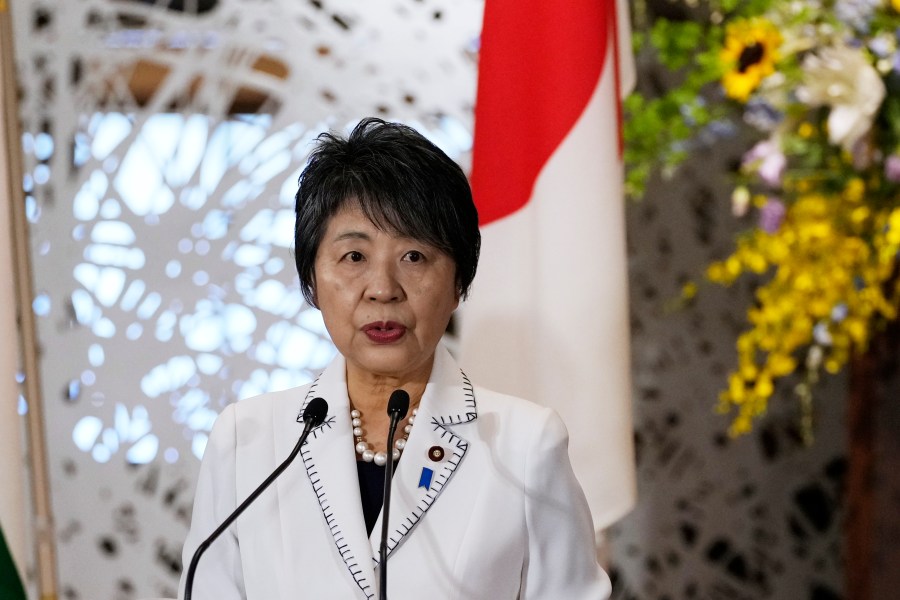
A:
362	446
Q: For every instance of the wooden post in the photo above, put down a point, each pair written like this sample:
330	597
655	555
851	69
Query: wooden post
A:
871	374
859	493
10	137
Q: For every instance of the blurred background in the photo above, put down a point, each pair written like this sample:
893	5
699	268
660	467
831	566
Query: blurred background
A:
153	149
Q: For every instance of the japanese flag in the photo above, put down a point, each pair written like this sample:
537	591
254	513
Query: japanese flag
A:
547	317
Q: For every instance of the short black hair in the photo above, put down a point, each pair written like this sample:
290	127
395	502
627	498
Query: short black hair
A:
401	181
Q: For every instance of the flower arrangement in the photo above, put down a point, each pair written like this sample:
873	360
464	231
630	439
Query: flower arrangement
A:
818	82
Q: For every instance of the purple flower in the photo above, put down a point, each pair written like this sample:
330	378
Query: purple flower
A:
767	159
892	168
839	312
771	215
762	115
881	46
856	13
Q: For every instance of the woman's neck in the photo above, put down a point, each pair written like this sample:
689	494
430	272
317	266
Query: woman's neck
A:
369	391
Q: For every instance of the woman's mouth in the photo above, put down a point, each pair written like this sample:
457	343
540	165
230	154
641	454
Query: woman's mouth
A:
384	332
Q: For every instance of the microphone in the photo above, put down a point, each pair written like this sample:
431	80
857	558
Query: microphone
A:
397	407
313	416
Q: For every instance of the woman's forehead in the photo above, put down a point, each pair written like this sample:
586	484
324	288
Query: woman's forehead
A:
351	216
351	223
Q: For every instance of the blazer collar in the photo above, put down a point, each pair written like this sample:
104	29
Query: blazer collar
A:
330	461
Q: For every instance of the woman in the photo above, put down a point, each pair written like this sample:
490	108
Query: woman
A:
484	501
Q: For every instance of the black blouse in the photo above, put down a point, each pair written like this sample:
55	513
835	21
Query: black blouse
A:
371	490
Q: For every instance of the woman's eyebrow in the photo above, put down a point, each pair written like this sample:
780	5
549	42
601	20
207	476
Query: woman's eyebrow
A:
352	235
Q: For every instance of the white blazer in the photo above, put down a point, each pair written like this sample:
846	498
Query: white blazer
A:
502	518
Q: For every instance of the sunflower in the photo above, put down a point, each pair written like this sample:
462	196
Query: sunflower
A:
749	55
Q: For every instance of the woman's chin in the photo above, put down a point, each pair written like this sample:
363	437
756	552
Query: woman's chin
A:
395	361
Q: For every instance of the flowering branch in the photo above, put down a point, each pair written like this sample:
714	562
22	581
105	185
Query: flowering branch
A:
822	185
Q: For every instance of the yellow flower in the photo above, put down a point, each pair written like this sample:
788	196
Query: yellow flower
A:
716	273
749	55
857	329
781	365
855	190
860	214
893	236
748	371
764	387
733	266
820	307
741	426
736	390
755	261
803	282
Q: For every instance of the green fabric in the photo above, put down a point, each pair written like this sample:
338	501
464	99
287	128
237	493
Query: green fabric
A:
10	583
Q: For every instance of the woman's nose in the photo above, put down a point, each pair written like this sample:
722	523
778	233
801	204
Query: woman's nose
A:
384	286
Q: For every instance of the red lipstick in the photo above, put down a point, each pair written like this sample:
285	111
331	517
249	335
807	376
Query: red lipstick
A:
384	332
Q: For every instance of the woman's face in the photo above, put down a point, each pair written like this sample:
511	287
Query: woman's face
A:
386	300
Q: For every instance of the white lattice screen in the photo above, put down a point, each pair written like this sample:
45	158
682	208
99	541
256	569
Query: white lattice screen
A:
162	145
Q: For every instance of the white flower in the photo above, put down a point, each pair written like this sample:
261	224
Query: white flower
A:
842	78
740	201
814	357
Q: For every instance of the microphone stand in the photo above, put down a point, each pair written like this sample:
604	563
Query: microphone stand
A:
313	416
398	405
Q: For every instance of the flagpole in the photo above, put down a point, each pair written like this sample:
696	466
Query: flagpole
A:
44	538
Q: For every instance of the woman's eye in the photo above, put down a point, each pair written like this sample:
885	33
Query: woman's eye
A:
414	256
354	256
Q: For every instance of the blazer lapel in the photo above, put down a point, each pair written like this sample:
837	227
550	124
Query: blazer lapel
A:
420	476
330	462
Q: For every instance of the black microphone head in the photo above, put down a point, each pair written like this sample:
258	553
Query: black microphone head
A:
398	403
315	412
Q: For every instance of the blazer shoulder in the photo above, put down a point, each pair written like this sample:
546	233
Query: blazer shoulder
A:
517	414
491	400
